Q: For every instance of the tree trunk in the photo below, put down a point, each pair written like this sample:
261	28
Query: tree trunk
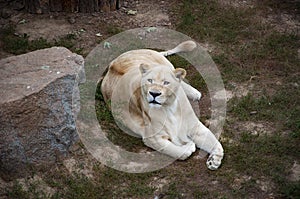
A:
33	6
119	4
88	6
55	5
85	6
110	5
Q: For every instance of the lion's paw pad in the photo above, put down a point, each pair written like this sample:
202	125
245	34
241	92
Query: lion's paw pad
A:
213	162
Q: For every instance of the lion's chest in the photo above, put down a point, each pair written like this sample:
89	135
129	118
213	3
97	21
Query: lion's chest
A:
170	124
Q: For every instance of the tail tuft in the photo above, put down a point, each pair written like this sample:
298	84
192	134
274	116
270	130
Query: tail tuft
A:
185	46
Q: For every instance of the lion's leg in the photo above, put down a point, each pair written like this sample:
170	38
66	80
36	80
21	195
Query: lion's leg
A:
163	145
190	91
206	140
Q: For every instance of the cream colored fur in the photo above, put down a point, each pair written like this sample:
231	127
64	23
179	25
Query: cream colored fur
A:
150	99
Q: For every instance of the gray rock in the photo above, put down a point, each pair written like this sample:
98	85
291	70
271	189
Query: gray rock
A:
39	102
71	20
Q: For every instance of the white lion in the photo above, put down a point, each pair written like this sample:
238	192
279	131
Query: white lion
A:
153	103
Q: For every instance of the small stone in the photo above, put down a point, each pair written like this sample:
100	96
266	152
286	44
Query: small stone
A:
39	11
131	12
23	21
45	67
125	4
295	172
72	20
295	84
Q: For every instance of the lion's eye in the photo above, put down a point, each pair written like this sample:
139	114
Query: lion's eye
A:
150	80
166	83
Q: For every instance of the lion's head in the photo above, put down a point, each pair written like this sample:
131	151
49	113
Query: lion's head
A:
160	84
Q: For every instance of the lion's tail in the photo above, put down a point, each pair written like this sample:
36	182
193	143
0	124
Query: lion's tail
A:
185	46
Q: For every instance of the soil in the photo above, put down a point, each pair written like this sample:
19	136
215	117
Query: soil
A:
56	25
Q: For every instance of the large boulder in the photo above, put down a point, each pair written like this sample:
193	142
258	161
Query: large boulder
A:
39	101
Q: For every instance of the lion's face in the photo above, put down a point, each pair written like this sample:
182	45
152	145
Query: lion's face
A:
160	84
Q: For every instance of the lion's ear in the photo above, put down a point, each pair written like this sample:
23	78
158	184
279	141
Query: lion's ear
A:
144	68
180	73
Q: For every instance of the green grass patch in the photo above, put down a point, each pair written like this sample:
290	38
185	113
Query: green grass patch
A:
17	191
242	108
274	52
108	183
210	21
20	44
264	156
290	190
282	108
67	41
31	192
113	30
248	46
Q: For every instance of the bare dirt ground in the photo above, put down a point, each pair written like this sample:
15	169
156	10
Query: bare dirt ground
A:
91	29
56	25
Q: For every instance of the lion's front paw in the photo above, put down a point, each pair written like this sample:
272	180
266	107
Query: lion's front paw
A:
214	161
188	149
194	95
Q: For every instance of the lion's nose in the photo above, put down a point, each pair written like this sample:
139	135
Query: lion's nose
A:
155	94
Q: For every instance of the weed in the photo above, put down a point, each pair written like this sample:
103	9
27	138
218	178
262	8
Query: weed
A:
173	191
19	44
13	43
67	41
247	51
283	106
260	156
17	191
291	190
207	20
40	43
113	30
